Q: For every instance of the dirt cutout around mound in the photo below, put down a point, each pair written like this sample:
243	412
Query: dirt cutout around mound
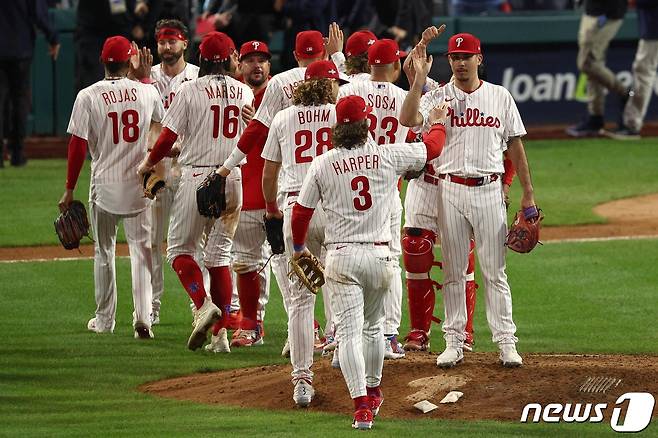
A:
630	217
491	392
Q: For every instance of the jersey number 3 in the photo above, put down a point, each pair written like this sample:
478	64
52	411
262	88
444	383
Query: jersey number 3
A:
361	185
130	122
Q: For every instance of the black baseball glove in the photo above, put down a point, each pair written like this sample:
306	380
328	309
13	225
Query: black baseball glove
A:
274	233
211	195
72	225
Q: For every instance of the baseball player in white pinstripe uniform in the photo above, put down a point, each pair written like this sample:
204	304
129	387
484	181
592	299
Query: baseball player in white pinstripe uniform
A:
250	252
354	62
483	122
309	47
353	184
297	136
386	98
166	77
207	114
112	117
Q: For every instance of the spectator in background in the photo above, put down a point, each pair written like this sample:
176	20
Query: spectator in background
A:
540	5
17	33
245	20
149	12
304	15
644	72
478	7
97	20
598	26
354	15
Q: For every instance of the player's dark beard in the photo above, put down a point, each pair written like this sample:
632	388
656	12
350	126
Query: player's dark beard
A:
171	58
256	82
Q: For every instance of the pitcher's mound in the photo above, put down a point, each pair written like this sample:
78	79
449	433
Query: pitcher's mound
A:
490	391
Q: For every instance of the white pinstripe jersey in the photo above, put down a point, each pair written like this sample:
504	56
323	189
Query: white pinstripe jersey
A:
354	186
207	114
114	117
167	85
298	135
386	100
477	130
278	94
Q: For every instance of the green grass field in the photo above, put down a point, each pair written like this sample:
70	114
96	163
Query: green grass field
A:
57	379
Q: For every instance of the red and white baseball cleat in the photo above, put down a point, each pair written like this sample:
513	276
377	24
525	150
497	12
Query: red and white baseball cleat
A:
417	340
363	419
247	338
469	342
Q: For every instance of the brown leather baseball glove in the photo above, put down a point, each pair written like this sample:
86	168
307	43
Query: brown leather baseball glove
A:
72	225
152	183
523	234
309	270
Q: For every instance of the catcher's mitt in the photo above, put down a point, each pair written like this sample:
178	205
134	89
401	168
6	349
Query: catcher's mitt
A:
211	195
152	183
309	271
72	225
523	234
274	232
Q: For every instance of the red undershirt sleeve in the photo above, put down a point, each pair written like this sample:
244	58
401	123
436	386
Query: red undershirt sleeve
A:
163	145
434	141
301	218
253	136
510	171
76	158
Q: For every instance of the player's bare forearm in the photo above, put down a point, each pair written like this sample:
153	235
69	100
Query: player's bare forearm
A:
409	116
271	185
516	153
421	65
154	132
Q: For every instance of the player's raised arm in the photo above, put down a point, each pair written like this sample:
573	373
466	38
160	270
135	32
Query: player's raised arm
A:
422	64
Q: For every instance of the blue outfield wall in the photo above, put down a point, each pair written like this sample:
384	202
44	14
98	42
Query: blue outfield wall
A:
533	56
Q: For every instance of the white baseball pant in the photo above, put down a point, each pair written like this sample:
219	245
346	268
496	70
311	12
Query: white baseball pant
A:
478	211
138	235
301	301
358	278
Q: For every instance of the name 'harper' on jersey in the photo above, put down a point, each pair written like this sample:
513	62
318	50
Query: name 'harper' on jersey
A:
356	164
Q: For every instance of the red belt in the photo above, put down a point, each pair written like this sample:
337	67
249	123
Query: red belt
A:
471	182
290	194
363	243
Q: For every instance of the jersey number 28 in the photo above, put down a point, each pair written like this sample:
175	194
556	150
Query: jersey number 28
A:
304	141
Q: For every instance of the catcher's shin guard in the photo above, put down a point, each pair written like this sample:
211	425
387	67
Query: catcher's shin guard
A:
471	287
418	256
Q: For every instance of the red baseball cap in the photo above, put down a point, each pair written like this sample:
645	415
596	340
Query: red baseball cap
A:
385	51
323	69
215	46
116	49
359	42
251	47
309	44
463	43
350	109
